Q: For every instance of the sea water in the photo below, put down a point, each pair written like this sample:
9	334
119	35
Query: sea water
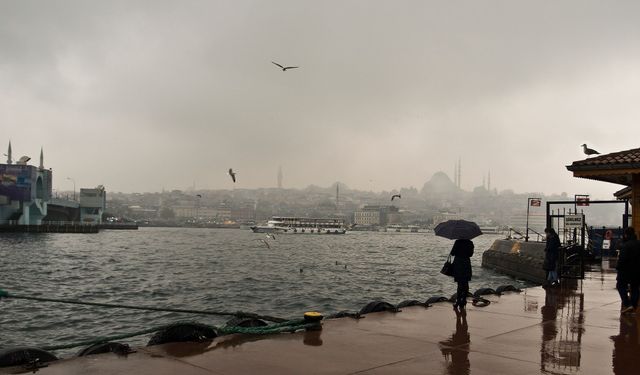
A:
211	269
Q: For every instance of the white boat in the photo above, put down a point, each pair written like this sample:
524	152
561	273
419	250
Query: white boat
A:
491	230
301	225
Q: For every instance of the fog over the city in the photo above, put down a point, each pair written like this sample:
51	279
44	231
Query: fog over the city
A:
146	95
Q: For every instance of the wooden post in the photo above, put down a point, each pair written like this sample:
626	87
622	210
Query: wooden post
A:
635	202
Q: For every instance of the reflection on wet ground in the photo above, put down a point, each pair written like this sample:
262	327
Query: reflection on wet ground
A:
572	329
626	346
562	328
458	360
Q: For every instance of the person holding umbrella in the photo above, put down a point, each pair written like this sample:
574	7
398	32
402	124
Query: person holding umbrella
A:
462	231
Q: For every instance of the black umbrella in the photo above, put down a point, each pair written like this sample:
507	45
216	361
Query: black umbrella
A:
458	230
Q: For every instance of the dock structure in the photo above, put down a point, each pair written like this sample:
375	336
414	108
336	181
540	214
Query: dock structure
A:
50	227
573	329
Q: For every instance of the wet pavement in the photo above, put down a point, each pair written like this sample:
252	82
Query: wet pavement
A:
573	329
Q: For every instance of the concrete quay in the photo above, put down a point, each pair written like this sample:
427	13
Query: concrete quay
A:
573	329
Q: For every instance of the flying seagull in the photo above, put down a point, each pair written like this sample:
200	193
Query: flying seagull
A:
284	68
266	243
395	196
232	174
589	151
271	235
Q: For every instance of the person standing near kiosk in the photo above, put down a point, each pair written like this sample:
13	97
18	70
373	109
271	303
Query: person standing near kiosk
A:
551	255
628	279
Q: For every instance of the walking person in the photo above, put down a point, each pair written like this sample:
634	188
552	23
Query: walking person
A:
551	255
462	251
462	231
628	279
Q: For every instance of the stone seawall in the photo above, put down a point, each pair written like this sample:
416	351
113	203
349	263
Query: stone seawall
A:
516	258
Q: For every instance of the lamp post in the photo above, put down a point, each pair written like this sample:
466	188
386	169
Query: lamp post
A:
530	202
74	187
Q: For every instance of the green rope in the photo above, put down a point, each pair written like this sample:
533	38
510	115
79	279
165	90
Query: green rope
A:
241	314
268	330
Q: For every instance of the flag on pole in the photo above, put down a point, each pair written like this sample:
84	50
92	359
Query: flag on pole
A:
535	202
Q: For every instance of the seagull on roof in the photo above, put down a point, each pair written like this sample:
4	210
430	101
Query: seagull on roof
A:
396	196
284	68
589	151
232	174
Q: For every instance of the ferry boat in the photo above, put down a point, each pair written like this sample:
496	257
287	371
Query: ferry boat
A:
300	225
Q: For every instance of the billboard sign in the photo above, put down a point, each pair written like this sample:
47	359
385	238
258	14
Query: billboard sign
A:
16	181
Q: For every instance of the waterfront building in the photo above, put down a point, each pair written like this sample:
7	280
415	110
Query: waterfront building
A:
376	215
25	191
244	212
93	203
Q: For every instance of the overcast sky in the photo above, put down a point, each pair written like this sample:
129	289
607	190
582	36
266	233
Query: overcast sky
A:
145	95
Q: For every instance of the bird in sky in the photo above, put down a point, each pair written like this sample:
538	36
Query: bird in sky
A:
395	196
284	68
198	195
589	151
266	243
271	235
232	174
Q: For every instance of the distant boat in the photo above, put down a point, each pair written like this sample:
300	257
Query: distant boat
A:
491	230
402	228
302	225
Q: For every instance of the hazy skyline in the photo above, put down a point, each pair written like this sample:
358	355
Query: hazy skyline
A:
145	95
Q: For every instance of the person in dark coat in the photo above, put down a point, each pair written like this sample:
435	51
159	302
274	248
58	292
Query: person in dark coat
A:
551	255
462	252
628	279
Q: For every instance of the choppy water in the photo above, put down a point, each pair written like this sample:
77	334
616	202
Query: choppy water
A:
215	269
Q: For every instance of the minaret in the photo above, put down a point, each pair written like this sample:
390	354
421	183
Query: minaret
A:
455	174
459	173
280	177
489	180
41	159
484	183
9	161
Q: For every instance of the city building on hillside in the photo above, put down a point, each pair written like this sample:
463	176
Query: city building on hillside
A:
376	215
441	217
244	212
